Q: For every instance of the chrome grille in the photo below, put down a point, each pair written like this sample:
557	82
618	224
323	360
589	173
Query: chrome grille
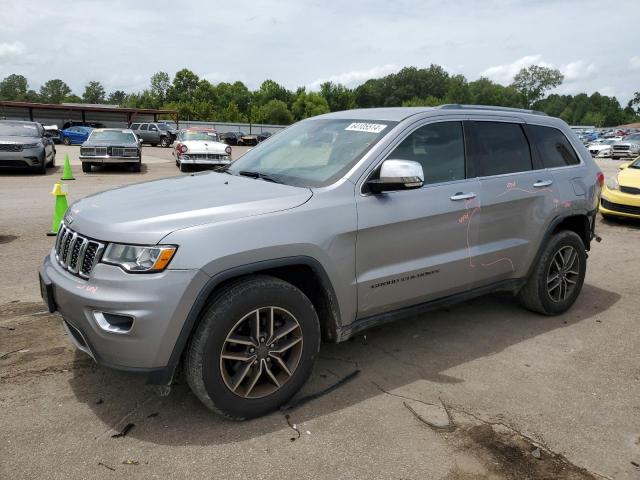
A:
101	151
203	156
76	253
621	147
117	151
88	151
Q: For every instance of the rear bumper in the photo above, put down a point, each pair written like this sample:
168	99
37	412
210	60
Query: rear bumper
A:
157	304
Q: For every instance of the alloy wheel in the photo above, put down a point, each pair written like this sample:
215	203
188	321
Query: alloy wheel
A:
563	273
261	352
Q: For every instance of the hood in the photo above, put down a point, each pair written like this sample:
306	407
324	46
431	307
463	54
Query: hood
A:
147	212
205	146
110	144
14	139
629	177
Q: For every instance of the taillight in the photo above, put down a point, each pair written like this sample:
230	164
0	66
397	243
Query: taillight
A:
228	150
600	177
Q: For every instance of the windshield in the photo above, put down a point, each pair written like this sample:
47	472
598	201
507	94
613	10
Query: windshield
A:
313	153
635	163
112	136
633	136
206	136
18	129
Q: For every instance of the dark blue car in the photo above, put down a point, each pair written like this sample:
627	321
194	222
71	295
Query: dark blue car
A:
75	135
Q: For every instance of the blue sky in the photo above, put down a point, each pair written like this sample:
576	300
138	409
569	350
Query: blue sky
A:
302	42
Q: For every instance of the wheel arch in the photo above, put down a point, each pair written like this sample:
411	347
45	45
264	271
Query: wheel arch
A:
305	273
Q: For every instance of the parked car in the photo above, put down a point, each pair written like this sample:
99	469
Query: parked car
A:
26	144
263	136
155	133
603	148
232	138
621	195
250	140
628	147
111	145
200	146
69	124
54	133
75	135
241	273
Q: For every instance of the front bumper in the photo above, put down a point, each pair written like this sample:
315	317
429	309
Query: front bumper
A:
201	161
158	305
109	159
31	157
614	202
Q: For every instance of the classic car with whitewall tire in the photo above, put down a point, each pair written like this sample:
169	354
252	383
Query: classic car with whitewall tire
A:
111	146
26	144
339	223
200	147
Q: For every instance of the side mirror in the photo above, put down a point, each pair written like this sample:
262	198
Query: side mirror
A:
622	166
397	175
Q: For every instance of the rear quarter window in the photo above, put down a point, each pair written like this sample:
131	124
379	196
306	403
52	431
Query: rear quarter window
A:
134	126
554	147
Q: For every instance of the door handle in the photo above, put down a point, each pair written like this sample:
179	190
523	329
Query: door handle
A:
462	196
542	183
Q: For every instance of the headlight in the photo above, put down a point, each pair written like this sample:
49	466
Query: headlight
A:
31	145
139	259
612	183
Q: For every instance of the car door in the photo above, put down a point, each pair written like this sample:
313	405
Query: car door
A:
144	132
73	134
515	199
413	245
154	133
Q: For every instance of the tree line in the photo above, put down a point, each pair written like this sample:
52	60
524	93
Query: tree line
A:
196	98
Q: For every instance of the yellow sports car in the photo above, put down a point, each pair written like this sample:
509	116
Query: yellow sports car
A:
621	195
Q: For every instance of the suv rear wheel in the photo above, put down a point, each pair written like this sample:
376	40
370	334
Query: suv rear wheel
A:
254	348
557	280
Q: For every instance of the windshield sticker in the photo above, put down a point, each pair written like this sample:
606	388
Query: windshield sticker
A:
366	127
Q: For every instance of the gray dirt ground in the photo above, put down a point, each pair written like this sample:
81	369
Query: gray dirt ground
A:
528	396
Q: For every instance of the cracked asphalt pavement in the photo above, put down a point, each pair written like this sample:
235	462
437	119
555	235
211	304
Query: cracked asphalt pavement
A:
482	390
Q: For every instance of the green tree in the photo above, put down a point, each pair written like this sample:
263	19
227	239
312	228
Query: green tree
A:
54	91
309	104
160	84
93	93
271	90
338	96
233	114
14	87
184	85
119	97
532	82
274	112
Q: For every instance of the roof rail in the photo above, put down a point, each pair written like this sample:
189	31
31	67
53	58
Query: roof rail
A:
457	106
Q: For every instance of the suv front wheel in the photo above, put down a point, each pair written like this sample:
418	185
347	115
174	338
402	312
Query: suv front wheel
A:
557	279
254	348
165	142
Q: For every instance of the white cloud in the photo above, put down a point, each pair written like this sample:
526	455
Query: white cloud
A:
608	91
11	49
573	71
504	73
356	77
634	63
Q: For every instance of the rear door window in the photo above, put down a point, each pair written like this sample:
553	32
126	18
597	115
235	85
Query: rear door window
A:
144	126
554	147
500	148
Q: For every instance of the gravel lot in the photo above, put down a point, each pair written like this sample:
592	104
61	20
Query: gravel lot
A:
494	391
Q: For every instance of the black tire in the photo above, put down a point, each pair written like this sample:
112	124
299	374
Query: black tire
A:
165	142
42	168
183	167
66	141
86	167
52	163
536	296
154	144
204	366
137	167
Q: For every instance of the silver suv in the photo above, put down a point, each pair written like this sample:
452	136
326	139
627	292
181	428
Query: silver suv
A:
155	133
339	223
